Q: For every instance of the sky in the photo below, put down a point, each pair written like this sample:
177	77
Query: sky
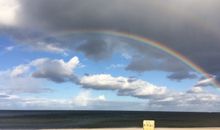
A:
110	55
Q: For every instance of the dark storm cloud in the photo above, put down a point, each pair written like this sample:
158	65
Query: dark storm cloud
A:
191	28
97	49
80	14
178	71
182	75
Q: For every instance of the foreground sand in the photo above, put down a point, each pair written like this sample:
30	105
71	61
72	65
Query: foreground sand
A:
208	128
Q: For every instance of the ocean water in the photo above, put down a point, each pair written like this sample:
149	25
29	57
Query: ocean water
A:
104	119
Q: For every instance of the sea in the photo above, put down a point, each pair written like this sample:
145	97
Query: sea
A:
30	119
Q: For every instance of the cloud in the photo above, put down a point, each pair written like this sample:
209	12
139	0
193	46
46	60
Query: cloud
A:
85	101
9	48
55	70
32	39
143	57
124	86
195	90
49	47
155	97
8	101
18	78
84	98
188	33
8	11
187	102
161	62
191	100
92	103
158	97
19	70
3	96
97	49
88	103
21	84
204	82
116	66
182	75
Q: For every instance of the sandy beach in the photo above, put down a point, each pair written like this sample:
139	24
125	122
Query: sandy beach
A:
207	128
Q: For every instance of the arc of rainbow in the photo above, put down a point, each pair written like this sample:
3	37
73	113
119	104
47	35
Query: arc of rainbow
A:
152	43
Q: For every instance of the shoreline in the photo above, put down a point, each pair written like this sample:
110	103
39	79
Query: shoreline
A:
196	128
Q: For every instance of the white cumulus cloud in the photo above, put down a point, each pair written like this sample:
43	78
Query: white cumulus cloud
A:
51	47
55	70
8	11
19	70
123	85
84	98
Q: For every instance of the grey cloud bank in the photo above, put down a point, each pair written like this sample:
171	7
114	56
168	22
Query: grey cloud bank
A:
190	30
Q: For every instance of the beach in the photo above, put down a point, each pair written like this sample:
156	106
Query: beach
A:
206	128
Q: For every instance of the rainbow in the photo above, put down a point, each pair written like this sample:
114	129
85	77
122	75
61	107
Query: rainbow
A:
152	43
